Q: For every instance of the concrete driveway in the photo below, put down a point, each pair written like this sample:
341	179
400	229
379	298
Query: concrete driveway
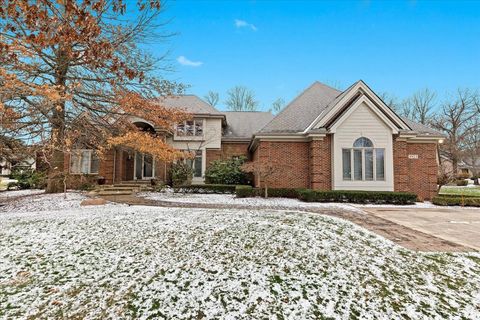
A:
459	225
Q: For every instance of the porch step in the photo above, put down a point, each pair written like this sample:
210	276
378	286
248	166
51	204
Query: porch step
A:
114	188
136	182
114	193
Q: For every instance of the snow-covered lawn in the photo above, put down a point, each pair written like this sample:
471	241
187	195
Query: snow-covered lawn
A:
228	199
37	200
177	263
19	193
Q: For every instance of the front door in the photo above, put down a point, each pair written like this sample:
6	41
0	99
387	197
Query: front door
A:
143	166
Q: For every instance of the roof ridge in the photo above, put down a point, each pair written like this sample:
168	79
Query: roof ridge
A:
246	111
289	104
326	85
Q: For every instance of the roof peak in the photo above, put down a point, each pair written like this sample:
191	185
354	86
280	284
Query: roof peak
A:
316	82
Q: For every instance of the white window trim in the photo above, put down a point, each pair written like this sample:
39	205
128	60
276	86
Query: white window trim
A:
80	152
143	167
194	136
352	164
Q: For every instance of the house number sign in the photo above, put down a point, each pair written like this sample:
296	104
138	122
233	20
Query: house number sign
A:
413	156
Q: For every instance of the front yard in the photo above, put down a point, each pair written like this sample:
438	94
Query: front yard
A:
150	262
461	191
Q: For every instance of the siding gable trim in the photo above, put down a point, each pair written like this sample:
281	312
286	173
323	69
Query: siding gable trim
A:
363	100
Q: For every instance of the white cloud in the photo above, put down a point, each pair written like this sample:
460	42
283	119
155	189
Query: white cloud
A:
185	62
244	24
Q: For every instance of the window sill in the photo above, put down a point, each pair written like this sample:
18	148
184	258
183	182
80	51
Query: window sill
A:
188	138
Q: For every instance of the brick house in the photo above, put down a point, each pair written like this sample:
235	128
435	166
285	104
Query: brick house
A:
329	139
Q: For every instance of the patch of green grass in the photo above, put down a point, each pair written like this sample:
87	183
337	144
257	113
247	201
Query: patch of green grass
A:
461	191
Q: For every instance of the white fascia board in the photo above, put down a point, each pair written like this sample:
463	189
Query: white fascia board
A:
319	123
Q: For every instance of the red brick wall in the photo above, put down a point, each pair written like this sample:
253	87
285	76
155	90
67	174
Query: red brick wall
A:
294	156
400	166
105	170
422	172
415	175
228	150
321	164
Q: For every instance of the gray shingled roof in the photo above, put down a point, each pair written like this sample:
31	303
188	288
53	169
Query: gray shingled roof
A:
191	104
420	128
316	101
300	113
243	124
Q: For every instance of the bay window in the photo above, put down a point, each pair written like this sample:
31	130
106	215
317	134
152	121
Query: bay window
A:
363	162
83	161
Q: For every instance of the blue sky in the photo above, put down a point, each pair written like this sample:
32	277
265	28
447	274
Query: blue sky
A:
278	48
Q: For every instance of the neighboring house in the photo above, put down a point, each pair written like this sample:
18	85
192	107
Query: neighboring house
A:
6	167
325	139
465	168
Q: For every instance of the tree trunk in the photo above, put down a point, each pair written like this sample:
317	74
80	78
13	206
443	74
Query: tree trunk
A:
266	191
56	172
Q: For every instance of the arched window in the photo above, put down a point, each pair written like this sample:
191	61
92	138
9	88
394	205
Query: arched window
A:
363	162
363	142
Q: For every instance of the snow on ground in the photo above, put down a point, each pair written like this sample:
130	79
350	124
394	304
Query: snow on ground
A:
274	203
177	263
229	199
19	193
37	200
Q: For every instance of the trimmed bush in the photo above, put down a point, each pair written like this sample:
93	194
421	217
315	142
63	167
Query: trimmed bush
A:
181	174
456	195
243	191
227	172
278	192
456	201
462	183
205	188
374	197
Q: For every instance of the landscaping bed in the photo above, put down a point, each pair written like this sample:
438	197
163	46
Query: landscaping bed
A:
345	196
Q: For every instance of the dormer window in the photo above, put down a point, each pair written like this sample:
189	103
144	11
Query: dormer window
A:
363	162
190	128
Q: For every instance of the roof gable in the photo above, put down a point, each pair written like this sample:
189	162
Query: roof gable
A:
346	100
359	101
298	114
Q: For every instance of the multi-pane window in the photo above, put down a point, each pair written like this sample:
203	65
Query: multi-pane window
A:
190	128
196	164
363	162
84	162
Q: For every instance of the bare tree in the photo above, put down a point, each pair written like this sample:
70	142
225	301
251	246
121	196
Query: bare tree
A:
419	106
471	152
212	98
278	105
241	98
391	101
456	120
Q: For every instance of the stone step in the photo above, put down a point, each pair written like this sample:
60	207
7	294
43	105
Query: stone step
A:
136	182
114	193
129	185
119	187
